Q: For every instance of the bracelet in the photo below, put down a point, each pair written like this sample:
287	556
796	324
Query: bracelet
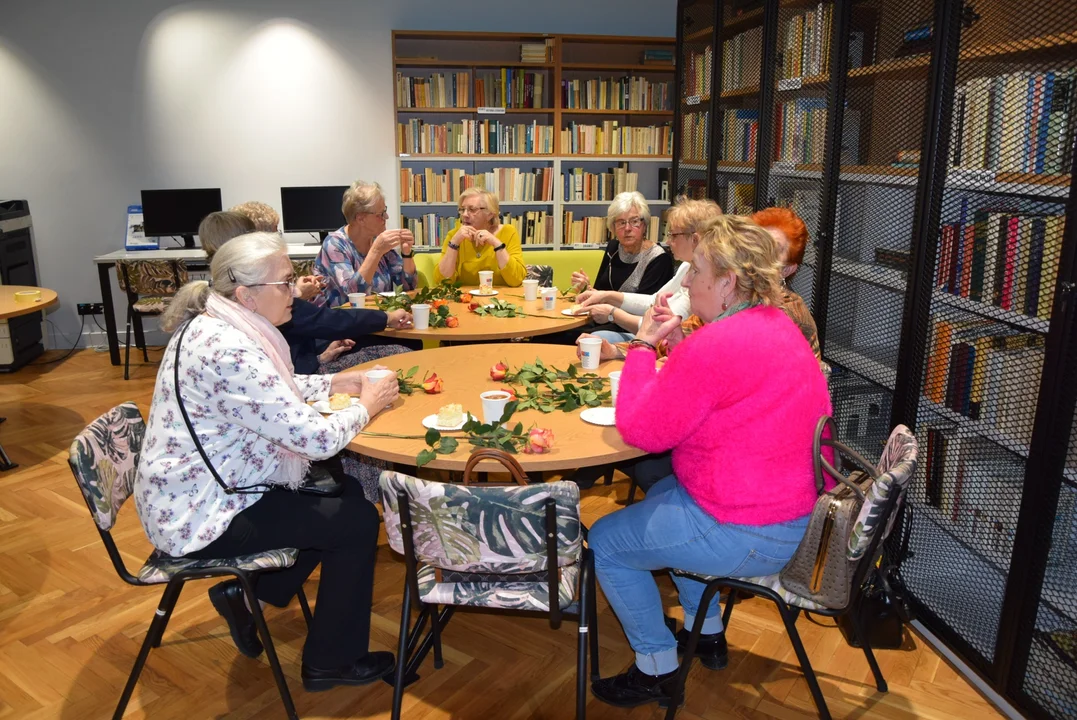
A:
637	343
454	247
500	247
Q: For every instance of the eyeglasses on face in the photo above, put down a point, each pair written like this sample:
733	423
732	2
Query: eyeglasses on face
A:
683	234
290	282
384	214
472	210
629	223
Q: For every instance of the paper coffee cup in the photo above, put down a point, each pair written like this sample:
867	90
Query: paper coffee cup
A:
530	289
486	280
376	375
549	298
615	380
590	352
420	316
357	300
493	405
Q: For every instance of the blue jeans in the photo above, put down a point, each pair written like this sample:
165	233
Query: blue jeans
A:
669	530
612	336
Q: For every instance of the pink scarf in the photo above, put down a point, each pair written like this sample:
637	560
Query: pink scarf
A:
293	467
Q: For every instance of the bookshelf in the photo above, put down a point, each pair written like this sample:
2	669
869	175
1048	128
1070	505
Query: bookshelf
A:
519	113
935	176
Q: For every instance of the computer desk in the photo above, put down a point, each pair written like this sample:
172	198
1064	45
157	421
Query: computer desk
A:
194	259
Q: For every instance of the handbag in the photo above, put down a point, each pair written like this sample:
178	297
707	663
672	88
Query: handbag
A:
820	569
318	480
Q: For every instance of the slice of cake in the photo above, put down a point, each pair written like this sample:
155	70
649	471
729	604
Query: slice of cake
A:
339	401
450	415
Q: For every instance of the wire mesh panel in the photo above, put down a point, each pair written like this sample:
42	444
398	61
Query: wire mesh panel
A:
998	249
885	97
696	65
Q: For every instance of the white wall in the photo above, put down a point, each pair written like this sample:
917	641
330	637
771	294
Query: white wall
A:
101	99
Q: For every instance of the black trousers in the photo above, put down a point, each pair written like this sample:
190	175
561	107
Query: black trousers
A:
649	469
340	533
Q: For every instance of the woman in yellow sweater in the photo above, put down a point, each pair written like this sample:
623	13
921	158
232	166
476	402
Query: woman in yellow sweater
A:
481	242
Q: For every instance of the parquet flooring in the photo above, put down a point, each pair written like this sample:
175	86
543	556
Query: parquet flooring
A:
70	629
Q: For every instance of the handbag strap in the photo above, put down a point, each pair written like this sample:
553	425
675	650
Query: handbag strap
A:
500	456
821	464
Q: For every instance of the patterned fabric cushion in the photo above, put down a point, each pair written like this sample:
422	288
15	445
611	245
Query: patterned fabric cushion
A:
160	568
495	529
302	268
152	277
501	594
151	304
897	465
542	273
104	460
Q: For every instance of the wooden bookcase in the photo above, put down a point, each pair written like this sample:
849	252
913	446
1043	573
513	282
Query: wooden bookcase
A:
936	179
593	104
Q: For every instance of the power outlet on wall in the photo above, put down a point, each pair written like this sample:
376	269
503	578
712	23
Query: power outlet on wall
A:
91	308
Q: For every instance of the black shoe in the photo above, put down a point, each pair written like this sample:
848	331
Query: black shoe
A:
588	476
635	687
227	599
372	666
711	650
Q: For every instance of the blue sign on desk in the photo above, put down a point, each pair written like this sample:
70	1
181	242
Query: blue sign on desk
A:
136	236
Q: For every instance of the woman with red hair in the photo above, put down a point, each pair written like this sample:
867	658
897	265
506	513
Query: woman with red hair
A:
791	235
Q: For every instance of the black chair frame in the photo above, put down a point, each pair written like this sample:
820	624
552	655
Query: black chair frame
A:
790	613
167	603
411	651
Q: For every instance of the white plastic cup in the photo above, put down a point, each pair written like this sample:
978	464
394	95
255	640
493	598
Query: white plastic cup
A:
486	280
549	298
420	316
590	352
615	380
530	289
493	405
376	375
358	300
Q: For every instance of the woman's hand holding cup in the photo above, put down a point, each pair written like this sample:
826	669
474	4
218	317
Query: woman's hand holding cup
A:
608	351
378	394
385	242
397	319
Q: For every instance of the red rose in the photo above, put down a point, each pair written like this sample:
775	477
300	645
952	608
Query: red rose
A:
473	306
432	385
539	440
510	391
452	321
499	371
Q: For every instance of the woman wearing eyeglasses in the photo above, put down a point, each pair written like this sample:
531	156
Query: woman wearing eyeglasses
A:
235	395
481	242
362	256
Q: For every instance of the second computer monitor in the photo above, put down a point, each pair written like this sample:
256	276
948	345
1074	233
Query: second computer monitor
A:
312	209
178	212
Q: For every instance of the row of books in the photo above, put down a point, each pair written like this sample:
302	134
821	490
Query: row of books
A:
740	135
805	42
627	93
440	90
740	59
430	229
474	137
698	66
611	138
1001	258
536	52
656	56
511	88
800	130
510	184
695	136
986	372
976	491
582	185
1019	122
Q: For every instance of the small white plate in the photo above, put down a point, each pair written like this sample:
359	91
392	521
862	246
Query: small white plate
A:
431	421
387	294
599	416
322	406
476	293
578	313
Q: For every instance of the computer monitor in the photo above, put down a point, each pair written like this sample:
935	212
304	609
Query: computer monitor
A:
178	212
312	209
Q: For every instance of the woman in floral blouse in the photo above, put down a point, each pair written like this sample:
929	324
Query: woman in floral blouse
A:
362	256
250	415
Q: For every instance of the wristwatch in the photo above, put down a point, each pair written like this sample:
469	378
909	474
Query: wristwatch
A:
454	247
499	247
408	255
609	318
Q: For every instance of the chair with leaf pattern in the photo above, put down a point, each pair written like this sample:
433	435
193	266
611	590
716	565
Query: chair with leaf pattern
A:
149	285
515	547
104	459
881	508
542	273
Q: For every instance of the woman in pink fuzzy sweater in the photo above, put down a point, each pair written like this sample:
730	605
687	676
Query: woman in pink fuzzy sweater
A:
737	402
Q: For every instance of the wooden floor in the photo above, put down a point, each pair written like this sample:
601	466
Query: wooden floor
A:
70	629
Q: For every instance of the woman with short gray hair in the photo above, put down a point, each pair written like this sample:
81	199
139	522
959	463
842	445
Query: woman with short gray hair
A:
230	431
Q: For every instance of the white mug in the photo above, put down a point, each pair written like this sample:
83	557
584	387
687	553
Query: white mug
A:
615	380
358	300
530	289
420	316
549	298
590	352
493	405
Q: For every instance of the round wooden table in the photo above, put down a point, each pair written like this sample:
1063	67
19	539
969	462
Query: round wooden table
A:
478	328
465	370
9	308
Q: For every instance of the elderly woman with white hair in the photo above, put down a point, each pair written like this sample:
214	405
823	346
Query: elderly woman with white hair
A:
362	256
230	433
481	242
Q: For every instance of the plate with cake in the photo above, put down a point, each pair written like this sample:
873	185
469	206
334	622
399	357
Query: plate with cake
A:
335	403
448	417
575	310
479	292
